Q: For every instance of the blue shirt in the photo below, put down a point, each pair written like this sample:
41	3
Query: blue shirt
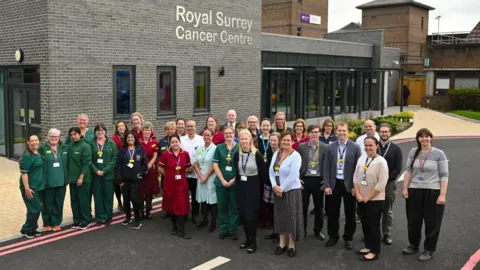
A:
342	149
331	139
289	172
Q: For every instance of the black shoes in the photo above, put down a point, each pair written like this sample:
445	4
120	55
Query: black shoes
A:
223	235
320	236
126	221
270	236
331	242
280	250
291	252
348	245
184	235
360	252
245	244
234	237
411	249
137	225
387	240
83	226
212	228
365	259
252	248
148	215
426	256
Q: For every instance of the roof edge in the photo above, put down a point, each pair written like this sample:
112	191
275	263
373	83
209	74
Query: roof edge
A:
416	4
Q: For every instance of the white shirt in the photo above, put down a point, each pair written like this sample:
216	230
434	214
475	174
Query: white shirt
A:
361	140
191	146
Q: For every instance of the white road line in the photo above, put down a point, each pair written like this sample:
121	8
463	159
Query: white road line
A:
401	177
212	263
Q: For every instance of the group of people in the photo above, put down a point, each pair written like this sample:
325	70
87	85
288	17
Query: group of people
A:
259	173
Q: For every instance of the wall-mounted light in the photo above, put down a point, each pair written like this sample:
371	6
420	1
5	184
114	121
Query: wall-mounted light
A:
221	72
19	55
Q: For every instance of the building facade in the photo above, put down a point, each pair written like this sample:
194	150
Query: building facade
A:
171	59
307	18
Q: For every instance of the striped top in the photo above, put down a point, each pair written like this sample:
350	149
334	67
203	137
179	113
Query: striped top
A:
376	176
435	169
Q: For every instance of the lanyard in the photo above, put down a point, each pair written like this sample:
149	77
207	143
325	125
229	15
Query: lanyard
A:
131	153
313	162
367	164
204	154
422	164
229	153
54	151
279	162
265	147
343	152
386	151
100	148
244	165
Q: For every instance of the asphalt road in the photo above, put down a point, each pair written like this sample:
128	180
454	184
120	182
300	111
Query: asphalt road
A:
119	247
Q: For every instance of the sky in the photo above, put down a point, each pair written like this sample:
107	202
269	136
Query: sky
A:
457	15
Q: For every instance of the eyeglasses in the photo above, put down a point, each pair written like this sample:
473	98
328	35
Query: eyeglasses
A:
328	126
228	133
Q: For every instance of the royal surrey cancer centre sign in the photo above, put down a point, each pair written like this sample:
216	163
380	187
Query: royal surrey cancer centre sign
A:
238	28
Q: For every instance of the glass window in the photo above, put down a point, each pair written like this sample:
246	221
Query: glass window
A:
2	114
443	83
202	88
31	75
465	83
166	90
123	91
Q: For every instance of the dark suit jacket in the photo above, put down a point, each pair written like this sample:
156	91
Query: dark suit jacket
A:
352	154
303	150
226	124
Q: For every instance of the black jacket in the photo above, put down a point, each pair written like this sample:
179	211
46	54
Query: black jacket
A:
262	171
394	160
140	165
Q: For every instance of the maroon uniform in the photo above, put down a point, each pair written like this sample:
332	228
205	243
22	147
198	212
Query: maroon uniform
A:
150	184
118	141
175	186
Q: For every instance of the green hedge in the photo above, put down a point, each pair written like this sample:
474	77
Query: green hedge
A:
398	123
465	99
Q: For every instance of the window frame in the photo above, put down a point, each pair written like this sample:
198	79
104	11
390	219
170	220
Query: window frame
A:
173	94
131	70
207	89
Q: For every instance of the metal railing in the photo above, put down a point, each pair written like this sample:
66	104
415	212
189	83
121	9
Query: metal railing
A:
455	38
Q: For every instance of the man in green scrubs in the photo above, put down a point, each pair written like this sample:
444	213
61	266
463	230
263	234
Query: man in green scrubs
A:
31	186
55	155
226	195
79	178
104	160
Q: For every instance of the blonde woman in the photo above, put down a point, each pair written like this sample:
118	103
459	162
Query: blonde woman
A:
137	121
253	127
250	168
280	123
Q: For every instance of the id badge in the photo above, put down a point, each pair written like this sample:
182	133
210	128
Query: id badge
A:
364	183
312	172
100	161
130	165
421	178
228	168
277	173
178	177
265	160
339	172
243	178
56	164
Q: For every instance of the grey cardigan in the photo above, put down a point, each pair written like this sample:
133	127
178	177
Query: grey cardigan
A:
352	155
303	150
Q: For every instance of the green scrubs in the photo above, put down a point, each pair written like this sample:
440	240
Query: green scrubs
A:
32	165
79	162
55	169
227	199
104	160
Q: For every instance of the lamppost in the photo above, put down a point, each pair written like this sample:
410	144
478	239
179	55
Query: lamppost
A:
438	29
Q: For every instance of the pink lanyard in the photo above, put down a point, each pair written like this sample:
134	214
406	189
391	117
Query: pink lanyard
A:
422	164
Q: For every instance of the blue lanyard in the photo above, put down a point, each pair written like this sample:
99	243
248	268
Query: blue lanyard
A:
265	148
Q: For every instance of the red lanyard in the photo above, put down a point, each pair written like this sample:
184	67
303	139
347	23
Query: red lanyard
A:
422	164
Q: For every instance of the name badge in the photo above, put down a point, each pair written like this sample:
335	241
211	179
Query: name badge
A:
56	164
130	165
100	161
243	178
277	173
313	172
131	161
265	160
364	183
163	148
228	168
421	178
178	177
339	172
49	151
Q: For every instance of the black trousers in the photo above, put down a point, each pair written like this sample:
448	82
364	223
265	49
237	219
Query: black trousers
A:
147	199
130	194
422	207
118	193
250	227
312	186
349	205
192	187
370	214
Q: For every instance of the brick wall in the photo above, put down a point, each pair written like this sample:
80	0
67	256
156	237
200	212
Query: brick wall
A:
454	56
283	17
87	37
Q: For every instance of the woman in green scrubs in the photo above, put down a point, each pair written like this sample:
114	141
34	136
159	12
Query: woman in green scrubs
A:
31	185
87	133
54	154
225	185
104	160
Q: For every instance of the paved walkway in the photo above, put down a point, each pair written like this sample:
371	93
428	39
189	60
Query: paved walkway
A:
13	210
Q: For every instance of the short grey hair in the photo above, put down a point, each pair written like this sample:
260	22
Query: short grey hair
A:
83	114
53	131
147	125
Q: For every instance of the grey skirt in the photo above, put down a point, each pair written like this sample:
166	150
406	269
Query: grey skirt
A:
289	214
